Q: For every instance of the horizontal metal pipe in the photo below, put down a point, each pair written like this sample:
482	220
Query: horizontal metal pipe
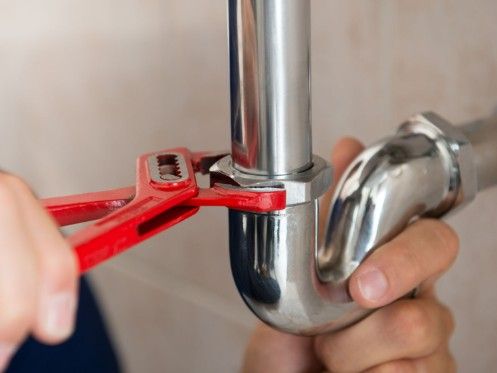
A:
482	135
269	44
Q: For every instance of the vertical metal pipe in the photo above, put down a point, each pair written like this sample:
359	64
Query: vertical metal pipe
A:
269	42
272	255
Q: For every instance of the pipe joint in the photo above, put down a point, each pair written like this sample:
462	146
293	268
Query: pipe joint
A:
453	140
301	187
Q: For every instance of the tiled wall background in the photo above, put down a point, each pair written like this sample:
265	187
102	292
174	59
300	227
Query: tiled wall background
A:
85	86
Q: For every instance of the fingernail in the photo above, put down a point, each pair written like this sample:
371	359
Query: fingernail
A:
59	315
6	352
373	284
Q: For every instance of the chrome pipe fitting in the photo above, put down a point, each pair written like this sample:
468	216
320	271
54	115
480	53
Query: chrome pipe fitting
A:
301	187
483	137
428	168
269	43
272	254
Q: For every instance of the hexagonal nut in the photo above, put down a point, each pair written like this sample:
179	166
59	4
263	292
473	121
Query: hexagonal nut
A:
300	188
458	145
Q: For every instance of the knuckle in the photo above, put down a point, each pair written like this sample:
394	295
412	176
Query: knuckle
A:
448	238
412	328
60	268
409	266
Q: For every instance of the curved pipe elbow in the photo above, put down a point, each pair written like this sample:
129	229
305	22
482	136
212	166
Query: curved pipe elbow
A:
276	274
387	186
294	285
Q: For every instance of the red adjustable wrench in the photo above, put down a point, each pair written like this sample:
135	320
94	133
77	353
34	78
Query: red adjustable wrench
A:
166	193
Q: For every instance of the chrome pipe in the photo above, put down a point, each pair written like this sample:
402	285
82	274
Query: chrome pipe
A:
483	137
269	43
271	254
428	168
273	263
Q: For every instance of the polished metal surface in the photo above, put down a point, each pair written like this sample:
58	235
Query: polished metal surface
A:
483	136
269	44
301	187
292	284
272	255
426	169
273	264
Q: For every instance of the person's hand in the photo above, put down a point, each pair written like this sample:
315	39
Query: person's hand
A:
38	272
408	335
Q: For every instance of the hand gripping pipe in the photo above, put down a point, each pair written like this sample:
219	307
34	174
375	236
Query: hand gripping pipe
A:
428	168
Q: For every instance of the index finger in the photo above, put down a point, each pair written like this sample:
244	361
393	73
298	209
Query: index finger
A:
425	249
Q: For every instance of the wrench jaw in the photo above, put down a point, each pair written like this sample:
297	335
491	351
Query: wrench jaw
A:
166	170
203	161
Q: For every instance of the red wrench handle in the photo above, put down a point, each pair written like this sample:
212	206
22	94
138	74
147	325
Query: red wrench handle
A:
122	221
68	210
165	194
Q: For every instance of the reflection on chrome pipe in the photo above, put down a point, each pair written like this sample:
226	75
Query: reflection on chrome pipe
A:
272	255
425	169
269	44
428	168
272	259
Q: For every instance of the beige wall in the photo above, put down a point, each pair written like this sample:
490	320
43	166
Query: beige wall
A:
85	86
